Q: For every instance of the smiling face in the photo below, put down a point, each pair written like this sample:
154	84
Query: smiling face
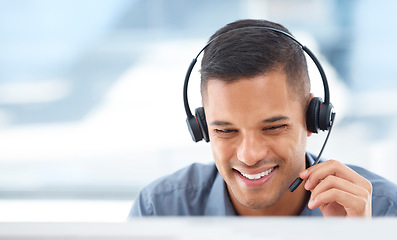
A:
258	139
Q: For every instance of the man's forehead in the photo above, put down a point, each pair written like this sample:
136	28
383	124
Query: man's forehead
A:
275	80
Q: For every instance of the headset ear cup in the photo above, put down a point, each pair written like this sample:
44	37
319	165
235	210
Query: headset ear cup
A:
202	121
194	129
312	115
325	116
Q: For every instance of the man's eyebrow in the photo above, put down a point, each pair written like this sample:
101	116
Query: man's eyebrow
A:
275	119
269	120
220	123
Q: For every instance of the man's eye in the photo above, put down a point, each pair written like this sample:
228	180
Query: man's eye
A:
276	128
224	131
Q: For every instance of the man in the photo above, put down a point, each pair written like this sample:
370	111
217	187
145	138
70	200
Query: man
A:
255	93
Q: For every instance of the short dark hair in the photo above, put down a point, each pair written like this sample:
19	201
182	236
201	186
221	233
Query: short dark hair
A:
250	52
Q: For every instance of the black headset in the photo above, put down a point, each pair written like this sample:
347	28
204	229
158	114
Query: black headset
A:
319	114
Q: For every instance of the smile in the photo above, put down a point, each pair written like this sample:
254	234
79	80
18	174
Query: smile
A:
257	176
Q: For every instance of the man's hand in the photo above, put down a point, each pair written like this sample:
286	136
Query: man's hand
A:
338	190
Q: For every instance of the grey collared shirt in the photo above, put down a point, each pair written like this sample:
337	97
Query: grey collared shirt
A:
199	190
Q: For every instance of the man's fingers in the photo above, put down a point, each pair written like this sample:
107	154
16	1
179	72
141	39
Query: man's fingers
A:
315	174
331	182
338	190
352	204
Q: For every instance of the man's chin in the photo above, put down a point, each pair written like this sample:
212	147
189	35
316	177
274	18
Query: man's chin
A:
258	203
256	200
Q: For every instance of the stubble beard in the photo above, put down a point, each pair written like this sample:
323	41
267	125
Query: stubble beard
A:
259	199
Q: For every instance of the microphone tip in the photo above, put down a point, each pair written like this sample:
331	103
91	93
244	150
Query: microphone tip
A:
295	184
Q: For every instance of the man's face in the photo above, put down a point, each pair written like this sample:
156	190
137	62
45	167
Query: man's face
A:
258	137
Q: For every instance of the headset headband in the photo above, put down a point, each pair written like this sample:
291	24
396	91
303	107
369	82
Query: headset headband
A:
304	48
318	115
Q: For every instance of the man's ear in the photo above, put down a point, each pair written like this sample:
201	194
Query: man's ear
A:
309	133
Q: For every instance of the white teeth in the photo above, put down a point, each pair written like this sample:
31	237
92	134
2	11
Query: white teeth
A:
257	176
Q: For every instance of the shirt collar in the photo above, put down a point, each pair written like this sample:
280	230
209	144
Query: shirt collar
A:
219	203
310	159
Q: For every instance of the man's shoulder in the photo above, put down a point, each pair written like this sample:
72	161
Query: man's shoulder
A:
184	192
384	192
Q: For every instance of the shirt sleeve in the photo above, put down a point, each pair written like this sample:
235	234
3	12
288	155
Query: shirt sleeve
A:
141	207
384	206
183	193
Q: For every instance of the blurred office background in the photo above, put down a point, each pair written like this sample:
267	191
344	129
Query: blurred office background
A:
91	94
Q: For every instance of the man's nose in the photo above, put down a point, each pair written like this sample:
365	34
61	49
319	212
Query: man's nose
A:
252	149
